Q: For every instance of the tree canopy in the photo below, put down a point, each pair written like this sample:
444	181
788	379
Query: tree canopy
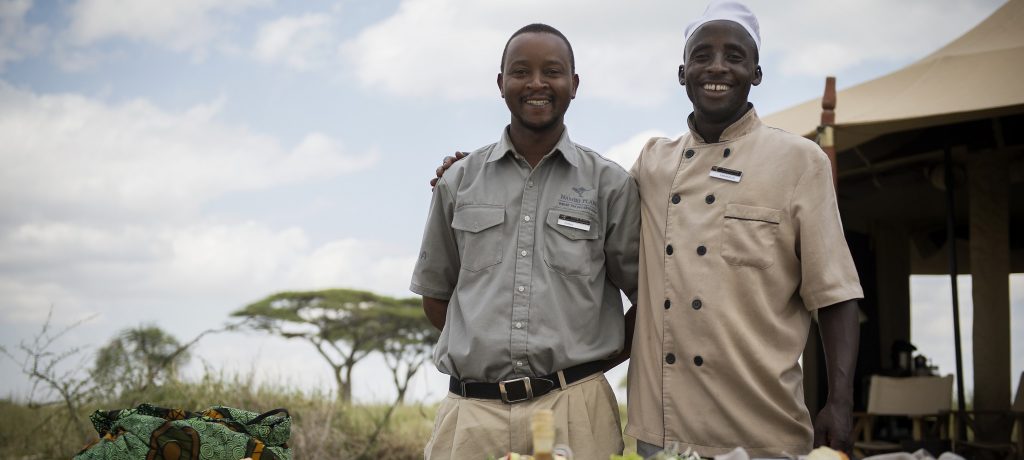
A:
345	326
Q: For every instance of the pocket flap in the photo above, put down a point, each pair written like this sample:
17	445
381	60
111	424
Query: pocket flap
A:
474	218
744	212
574	225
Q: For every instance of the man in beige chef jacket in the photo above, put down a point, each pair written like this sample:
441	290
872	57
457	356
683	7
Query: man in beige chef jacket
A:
527	245
741	240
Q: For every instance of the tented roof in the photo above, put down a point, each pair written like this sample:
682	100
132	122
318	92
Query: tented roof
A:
979	75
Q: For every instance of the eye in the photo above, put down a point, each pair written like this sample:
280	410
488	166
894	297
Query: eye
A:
699	57
517	72
552	72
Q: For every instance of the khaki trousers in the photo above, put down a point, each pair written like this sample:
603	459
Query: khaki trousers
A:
586	418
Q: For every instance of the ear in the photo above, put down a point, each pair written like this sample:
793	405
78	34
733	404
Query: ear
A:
682	71
501	87
757	76
575	85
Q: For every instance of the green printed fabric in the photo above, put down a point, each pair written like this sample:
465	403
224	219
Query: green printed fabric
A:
218	433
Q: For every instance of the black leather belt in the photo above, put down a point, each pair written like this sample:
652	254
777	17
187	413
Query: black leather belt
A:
524	388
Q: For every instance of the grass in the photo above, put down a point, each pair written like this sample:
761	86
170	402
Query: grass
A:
322	428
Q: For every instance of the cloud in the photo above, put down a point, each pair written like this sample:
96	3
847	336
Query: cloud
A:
178	25
870	30
19	39
452	48
628	52
300	43
370	265
626	152
69	155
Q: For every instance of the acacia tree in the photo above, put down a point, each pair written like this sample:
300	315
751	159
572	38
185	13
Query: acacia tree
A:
407	343
139	357
344	325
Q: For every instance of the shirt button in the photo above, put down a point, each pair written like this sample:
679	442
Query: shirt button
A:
530	183
668	304
689	153
696	304
675	199
523	253
670	358
519	325
709	199
526	218
726	153
701	250
698	360
521	288
519	364
668	249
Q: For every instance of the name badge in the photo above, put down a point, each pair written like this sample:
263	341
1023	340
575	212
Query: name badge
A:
573	222
730	175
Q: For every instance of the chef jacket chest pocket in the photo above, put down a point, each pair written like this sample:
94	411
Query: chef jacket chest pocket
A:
572	244
749	234
480	228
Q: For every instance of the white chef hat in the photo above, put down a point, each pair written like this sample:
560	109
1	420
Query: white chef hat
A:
727	10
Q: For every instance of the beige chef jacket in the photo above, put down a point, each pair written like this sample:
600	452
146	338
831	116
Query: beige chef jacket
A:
740	240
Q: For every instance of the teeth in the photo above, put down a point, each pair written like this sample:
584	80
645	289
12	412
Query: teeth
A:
538	103
715	87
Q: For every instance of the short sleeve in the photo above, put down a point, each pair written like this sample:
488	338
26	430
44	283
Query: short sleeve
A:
622	243
437	267
828	275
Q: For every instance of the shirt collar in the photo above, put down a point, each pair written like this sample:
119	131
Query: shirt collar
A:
745	125
565	147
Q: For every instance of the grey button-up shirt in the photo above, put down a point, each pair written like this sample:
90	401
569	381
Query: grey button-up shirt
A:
531	260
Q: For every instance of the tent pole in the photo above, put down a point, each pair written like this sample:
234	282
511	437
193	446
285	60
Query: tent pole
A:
826	130
947	163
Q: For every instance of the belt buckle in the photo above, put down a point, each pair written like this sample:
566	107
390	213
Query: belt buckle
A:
526	385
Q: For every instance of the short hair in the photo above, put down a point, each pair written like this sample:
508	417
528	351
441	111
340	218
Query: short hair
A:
540	28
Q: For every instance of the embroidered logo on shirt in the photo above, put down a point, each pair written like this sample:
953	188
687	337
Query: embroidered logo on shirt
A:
581	190
576	200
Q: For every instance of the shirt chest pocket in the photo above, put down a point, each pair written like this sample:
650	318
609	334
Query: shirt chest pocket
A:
480	229
572	244
749	234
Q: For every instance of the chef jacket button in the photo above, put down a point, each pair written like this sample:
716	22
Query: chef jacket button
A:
701	250
709	199
668	249
696	304
697	360
689	153
675	199
726	153
668	304
670	358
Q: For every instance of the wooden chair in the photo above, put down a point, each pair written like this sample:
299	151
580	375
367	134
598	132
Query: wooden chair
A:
1014	419
926	401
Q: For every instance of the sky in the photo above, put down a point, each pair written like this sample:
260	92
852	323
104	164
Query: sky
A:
169	163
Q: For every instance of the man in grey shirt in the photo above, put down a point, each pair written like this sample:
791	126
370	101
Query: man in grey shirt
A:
527	245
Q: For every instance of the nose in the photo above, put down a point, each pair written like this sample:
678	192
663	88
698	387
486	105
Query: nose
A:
536	80
717	64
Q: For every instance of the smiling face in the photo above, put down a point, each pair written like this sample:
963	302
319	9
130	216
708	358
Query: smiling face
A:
537	81
721	66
